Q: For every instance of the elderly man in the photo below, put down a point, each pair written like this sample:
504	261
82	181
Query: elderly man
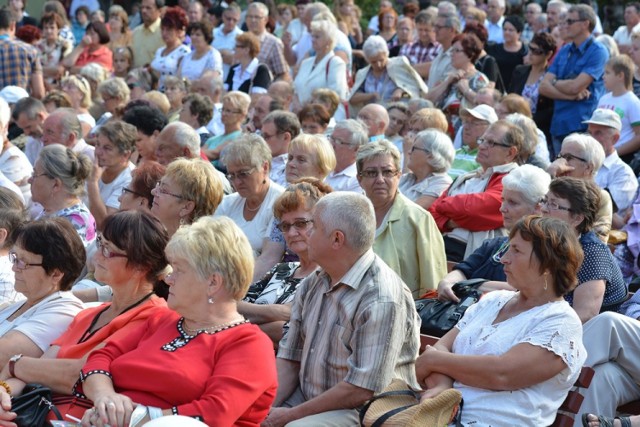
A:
469	211
271	48
195	11
63	127
224	37
353	323
347	137
574	80
425	48
29	114
495	19
179	139
260	109
210	85
615	176
474	124
376	118
531	14
622	36
146	38
447	27
555	9
278	129
282	92
581	156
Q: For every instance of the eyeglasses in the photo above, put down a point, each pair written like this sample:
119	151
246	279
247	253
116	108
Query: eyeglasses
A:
105	251
241	175
336	141
132	86
20	264
568	157
159	189
491	143
228	111
267	137
240	46
374	173
126	190
34	175
457	50
553	206
298	224
255	17
424	150
569	22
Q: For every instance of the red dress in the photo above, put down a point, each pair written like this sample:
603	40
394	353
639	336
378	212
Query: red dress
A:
227	378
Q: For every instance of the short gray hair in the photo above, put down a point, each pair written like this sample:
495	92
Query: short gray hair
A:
447	7
451	21
593	151
351	213
357	130
585	12
559	3
440	146
247	150
374	45
529	181
530	130
328	29
260	6
375	149
313	9
72	169
185	136
425	17
69	122
115	87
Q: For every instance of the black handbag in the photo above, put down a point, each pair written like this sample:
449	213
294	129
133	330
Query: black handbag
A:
33	406
439	317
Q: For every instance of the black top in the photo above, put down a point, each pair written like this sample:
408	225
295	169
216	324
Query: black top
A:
488	66
507	61
261	78
544	109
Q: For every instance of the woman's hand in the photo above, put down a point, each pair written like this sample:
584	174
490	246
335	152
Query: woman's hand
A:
396	95
86	40
463	86
6	416
112	409
96	172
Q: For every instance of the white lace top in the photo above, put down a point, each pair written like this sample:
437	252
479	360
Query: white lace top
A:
554	326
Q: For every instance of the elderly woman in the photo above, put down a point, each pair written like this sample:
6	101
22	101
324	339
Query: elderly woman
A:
508	332
144	178
324	69
268	301
47	258
52	49
384	79
527	78
248	162
175	89
166	60
235	107
204	56
459	87
94	48
430	158
407	238
485	63
422	119
79	91
511	53
115	142
188	190
119	26
130	260
12	216
314	119
114	93
581	156
212	269
140	81
523	190
58	183
247	74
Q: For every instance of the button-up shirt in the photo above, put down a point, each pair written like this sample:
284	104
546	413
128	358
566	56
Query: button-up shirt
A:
618	178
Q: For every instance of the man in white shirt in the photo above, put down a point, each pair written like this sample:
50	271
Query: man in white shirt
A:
224	37
278	129
347	137
622	36
495	19
29	114
376	118
63	127
615	176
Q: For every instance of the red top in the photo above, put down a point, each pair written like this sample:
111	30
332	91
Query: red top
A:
228	378
101	55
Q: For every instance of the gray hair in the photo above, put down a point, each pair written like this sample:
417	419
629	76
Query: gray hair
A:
609	42
529	181
536	6
260	6
247	150
328	29
94	71
447	7
559	3
185	136
451	21
357	130
593	151
530	130
542	19
313	9
115	87
425	17
143	77
501	3
325	16
69	122
72	169
351	213
585	12
374	45
440	146
375	149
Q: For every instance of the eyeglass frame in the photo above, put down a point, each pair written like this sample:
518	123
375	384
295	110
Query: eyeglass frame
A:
568	22
15	261
568	157
241	175
128	190
492	144
553	206
335	141
424	150
162	191
300	224
368	173
105	251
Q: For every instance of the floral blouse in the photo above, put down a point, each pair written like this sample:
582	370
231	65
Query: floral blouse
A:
80	217
277	287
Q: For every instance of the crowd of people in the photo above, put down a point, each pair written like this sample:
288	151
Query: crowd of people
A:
227	213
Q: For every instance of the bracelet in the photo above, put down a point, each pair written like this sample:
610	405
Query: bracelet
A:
6	387
84	376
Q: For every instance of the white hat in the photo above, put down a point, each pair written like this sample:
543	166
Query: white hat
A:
604	117
482	112
13	94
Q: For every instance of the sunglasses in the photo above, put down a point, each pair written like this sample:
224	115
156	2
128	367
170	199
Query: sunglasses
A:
537	50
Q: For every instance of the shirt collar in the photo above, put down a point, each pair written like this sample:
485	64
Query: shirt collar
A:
353	277
153	27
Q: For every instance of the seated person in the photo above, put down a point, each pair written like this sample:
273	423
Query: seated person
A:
528	342
12	216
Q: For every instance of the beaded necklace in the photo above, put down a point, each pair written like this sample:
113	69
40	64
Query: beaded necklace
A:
187	334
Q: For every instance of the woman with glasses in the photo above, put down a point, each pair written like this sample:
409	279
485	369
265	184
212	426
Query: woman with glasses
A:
430	158
526	80
248	163
139	82
268	301
189	189
129	259
58	183
47	258
247	74
144	178
12	215
407	237
235	108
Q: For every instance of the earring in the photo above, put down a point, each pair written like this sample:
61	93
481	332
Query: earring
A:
545	281
210	300
182	221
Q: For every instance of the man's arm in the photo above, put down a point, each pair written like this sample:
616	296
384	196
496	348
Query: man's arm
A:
548	89
574	86
288	379
423	69
37	85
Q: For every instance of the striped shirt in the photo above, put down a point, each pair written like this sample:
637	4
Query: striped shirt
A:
364	330
463	162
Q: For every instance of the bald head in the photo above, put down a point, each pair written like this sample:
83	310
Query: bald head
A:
177	139
376	118
282	92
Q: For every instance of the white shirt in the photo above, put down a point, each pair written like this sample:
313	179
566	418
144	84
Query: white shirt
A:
7	183
82	147
278	173
622	36
17	168
111	191
495	30
329	73
225	41
345	180
8	294
617	177
192	69
32	149
215	126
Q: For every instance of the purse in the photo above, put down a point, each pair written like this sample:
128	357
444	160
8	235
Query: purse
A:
439	317
399	405
33	406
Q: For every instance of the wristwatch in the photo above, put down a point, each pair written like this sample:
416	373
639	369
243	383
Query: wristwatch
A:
12	364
